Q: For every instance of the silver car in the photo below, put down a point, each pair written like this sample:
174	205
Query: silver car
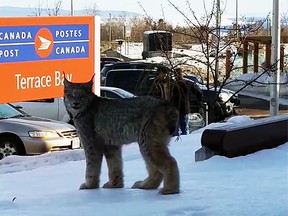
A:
22	134
54	108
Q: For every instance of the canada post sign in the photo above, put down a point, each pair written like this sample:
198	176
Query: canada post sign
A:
48	43
36	54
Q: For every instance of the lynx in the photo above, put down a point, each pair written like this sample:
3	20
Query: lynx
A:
105	125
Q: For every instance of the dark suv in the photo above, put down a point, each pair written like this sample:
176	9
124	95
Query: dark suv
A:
136	81
108	60
139	82
127	65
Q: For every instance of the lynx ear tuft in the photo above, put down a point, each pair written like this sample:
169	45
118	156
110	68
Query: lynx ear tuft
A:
92	78
89	84
66	81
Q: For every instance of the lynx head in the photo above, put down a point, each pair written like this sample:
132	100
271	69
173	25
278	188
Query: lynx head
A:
77	96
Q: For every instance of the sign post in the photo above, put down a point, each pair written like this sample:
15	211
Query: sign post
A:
36	53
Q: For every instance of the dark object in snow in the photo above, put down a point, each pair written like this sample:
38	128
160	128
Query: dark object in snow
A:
244	138
204	153
14	198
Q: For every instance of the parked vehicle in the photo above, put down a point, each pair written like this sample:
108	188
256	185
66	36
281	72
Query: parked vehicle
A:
127	65
136	81
23	134
139	81
108	60
53	108
227	99
139	85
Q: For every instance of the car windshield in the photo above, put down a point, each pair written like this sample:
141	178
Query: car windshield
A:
8	111
124	93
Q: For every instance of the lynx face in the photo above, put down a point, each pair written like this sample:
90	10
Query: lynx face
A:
77	96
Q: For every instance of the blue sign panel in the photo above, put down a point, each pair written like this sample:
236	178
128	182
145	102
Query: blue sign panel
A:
36	43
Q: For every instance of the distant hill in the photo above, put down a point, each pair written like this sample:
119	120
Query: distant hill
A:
21	12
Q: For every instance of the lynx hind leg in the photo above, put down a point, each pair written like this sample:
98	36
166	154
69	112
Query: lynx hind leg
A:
94	156
153	143
153	180
113	155
166	165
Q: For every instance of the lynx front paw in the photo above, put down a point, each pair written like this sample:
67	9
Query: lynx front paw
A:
84	186
146	185
113	185
137	185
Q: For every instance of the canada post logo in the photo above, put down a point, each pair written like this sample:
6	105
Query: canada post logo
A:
36	43
44	42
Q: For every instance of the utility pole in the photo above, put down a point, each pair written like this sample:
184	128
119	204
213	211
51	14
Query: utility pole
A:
110	30
218	26
237	30
268	25
275	60
72	9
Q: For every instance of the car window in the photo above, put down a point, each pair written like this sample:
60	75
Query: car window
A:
109	94
136	82
123	93
131	65
105	69
125	80
7	111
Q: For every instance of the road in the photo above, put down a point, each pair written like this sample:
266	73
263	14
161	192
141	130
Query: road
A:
257	108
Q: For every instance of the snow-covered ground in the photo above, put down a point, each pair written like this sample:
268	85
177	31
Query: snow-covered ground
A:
47	185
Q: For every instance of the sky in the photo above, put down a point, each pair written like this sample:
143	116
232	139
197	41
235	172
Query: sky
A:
47	185
156	8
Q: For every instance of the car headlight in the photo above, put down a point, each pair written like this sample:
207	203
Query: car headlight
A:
43	134
224	96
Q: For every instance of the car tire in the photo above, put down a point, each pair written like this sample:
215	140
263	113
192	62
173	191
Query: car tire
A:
10	146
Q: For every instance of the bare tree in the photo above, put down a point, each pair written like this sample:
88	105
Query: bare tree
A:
148	19
92	9
284	18
214	40
54	9
38	9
